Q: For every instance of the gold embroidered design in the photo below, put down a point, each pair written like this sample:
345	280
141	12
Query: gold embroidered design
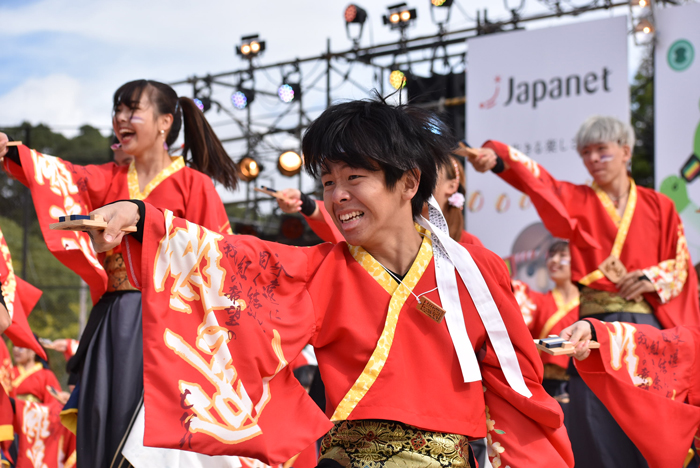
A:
623	226
391	444
132	178
669	276
376	362
563	310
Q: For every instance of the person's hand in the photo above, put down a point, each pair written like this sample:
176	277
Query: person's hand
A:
291	203
482	159
58	345
580	334
633	285
3	145
118	216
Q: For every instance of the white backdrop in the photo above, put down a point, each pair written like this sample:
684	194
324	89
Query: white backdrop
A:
532	90
677	108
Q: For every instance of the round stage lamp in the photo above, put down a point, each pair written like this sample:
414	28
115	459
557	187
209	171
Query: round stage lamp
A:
441	3
289	163
644	26
239	100
394	18
288	92
355	14
397	79
249	169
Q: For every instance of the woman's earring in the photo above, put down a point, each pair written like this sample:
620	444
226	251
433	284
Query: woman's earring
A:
165	145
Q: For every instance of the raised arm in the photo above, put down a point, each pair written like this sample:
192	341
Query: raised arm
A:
225	314
314	212
552	198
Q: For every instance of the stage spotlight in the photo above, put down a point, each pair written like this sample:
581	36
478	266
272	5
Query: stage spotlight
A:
250	46
204	103
289	163
644	26
443	3
399	16
355	14
241	98
249	169
639	3
288	92
397	79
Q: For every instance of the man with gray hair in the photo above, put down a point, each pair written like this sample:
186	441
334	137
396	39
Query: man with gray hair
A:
629	258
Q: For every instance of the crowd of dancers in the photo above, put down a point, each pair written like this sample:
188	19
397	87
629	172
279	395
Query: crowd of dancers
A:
205	348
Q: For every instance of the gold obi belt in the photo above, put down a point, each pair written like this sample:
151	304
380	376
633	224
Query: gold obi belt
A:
391	444
117	279
30	397
595	301
555	372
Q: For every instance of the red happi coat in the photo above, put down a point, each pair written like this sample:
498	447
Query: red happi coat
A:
649	381
33	381
325	229
20	298
43	441
6	368
546	314
222	317
654	242
60	188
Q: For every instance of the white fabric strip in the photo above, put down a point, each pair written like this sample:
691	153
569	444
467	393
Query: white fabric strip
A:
460	258
449	296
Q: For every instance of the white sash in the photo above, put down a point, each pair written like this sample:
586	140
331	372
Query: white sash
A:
449	254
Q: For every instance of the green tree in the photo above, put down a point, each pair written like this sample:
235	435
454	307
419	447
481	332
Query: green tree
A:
642	106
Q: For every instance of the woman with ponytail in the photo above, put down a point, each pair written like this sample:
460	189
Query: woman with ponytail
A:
108	366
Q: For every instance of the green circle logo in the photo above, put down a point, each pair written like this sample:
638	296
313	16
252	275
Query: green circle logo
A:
680	55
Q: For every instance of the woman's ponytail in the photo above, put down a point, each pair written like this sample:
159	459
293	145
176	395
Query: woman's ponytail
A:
207	153
455	214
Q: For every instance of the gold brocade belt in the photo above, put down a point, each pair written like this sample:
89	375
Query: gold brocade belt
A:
595	301
392	444
117	279
555	372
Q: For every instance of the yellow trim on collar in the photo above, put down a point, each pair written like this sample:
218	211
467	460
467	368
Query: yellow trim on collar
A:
563	310
133	178
398	298
24	373
623	226
6	432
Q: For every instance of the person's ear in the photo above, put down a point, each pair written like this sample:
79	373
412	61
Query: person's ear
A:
165	121
626	153
452	186
410	182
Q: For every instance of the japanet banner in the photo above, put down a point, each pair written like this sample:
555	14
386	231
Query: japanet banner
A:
532	90
677	120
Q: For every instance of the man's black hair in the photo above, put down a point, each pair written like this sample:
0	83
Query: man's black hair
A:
373	135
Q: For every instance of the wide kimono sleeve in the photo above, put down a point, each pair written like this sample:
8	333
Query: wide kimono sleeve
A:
60	188
204	207
6	421
674	278
648	379
528	302
325	228
222	318
521	431
550	196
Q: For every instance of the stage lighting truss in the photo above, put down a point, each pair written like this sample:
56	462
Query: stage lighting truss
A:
355	15
289	92
289	163
250	47
242	97
249	168
400	16
444	16
397	79
644	31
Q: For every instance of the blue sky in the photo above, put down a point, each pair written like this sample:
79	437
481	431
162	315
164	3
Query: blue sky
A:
61	60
